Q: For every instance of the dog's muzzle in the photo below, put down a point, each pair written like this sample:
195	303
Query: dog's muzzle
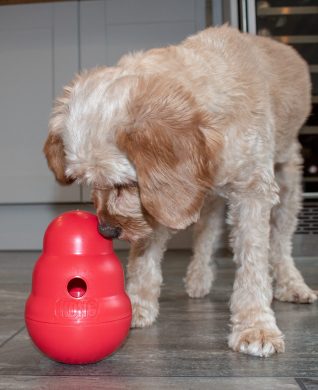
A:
108	231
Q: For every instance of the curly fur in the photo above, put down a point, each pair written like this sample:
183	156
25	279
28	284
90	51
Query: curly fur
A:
170	135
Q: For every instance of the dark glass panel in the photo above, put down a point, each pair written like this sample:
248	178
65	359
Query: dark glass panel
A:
288	24
313	118
314	80
309	51
310	153
287	3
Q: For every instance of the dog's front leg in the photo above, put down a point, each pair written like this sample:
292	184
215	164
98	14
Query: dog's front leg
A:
145	278
254	329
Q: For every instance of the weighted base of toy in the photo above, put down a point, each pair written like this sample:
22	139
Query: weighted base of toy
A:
80	344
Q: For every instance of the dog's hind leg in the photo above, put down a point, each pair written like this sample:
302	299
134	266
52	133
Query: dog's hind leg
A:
207	232
290	285
145	277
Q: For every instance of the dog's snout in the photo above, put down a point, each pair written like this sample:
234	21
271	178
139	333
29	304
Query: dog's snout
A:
109	231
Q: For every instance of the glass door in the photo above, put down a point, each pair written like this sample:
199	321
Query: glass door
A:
295	22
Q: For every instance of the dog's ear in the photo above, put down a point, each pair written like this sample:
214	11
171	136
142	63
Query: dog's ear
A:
174	160
54	147
55	155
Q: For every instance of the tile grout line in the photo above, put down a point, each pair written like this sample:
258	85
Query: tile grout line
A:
12	336
300	383
297	380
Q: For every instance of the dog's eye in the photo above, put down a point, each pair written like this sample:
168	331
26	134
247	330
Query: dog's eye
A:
126	185
118	189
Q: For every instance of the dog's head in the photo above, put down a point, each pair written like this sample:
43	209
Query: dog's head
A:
141	142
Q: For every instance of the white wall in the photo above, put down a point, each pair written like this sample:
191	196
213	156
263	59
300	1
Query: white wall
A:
41	47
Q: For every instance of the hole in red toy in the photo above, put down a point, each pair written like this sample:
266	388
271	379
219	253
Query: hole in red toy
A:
76	287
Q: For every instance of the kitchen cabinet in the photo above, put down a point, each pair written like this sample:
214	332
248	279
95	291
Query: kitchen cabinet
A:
42	46
38	54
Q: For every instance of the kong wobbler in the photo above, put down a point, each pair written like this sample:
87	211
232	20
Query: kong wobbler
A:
78	311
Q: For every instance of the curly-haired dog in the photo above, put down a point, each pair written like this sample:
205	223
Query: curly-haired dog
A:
170	135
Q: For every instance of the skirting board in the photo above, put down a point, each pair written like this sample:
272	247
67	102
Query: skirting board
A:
22	228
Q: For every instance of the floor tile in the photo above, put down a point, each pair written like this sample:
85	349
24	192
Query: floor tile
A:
308	383
12	300
142	383
8	329
188	340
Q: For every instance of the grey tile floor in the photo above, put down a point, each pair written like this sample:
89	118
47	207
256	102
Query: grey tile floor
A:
185	349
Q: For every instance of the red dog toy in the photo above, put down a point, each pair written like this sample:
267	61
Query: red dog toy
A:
78	311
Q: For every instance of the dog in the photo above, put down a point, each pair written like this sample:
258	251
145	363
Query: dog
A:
170	137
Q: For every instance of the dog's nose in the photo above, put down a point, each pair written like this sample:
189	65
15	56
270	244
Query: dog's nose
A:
109	231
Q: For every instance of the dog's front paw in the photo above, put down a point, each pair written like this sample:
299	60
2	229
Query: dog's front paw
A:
297	292
257	341
144	313
198	281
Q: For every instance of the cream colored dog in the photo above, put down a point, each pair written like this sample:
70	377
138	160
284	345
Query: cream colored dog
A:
170	135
